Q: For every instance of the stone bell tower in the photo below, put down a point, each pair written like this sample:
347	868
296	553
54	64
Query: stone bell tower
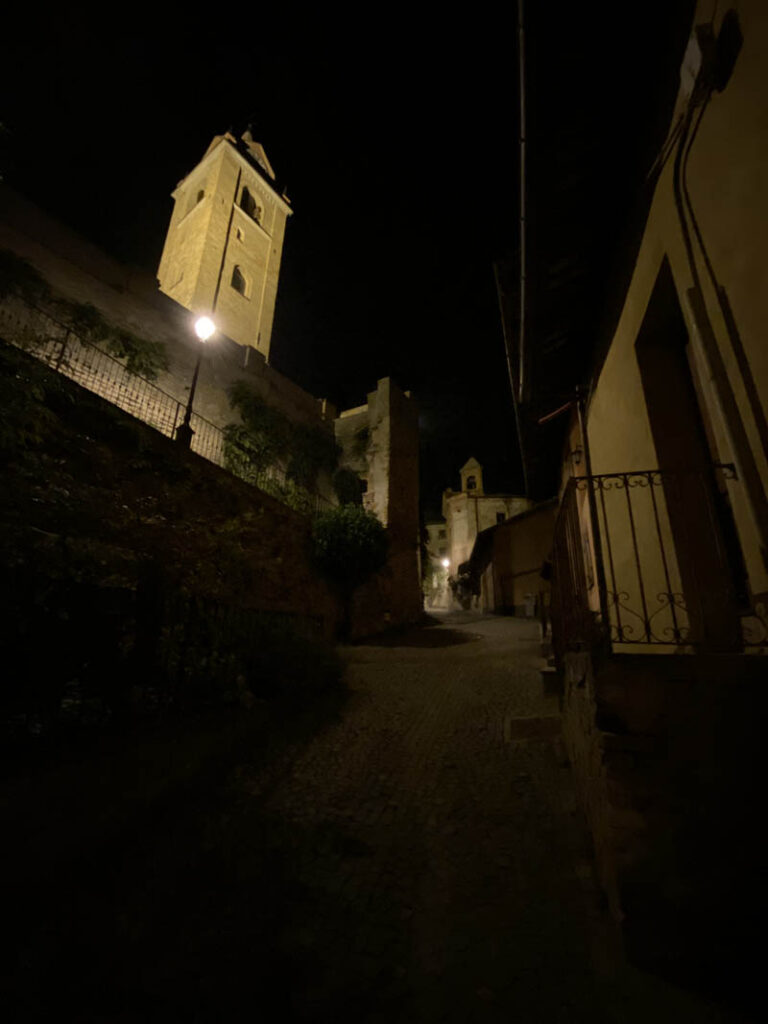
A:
225	240
472	478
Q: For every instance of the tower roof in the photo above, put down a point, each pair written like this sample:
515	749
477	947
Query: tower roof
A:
256	152
252	151
470	464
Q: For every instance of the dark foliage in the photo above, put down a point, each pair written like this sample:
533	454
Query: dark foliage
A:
143	357
17	277
266	439
113	653
347	486
349	545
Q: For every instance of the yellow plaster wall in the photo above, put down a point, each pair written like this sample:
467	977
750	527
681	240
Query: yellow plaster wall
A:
727	177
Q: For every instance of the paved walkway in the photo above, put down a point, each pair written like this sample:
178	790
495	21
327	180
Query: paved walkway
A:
420	859
439	864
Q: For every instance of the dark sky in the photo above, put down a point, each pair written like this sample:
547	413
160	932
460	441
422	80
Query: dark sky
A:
398	143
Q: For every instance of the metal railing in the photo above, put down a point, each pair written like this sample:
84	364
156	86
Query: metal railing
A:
52	342
670	564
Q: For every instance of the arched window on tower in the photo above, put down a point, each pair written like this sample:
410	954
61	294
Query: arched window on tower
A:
250	205
471	483
239	281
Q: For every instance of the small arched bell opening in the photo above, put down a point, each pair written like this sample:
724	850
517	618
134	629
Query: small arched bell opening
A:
250	205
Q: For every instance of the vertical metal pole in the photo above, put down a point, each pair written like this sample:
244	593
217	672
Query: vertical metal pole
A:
510	371
60	357
184	432
522	380
596	542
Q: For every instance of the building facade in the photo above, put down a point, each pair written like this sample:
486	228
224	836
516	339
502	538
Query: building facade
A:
379	442
225	241
660	552
469	511
436	591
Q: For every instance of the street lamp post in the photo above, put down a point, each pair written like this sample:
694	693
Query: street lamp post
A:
204	328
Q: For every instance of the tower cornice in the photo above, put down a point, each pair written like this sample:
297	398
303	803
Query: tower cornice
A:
209	158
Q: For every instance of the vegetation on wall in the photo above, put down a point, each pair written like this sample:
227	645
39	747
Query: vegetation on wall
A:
349	545
361	442
17	277
142	357
266	440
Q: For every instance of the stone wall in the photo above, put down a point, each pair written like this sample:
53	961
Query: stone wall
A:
79	271
664	748
388	461
89	490
130	299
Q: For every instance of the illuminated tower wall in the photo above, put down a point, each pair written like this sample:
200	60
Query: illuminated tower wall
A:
225	241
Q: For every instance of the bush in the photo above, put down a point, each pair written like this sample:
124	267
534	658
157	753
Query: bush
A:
349	545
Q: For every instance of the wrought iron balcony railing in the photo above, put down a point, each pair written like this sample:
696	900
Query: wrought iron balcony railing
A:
665	567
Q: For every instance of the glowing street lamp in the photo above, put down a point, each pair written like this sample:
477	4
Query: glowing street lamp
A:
204	329
445	563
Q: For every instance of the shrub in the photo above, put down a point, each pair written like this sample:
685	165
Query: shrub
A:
349	545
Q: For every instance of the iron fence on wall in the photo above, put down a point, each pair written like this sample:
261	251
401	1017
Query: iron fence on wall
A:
140	649
665	570
54	343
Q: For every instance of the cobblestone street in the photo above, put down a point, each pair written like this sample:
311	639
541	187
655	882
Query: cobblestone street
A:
439	864
421	857
449	876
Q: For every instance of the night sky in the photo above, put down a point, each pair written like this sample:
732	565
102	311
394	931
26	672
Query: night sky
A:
397	141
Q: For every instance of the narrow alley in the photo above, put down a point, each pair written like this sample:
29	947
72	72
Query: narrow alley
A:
440	862
445	867
420	858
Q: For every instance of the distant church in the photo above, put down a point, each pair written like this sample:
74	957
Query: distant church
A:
470	510
225	240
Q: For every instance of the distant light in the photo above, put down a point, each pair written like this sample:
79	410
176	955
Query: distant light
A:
445	563
204	328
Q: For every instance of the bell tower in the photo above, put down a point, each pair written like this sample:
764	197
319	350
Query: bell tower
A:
225	240
472	478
